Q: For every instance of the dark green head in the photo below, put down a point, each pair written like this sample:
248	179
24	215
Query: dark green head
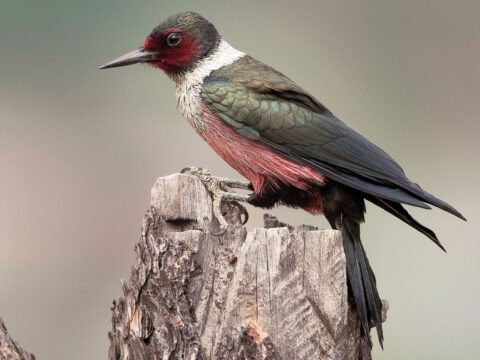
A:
175	45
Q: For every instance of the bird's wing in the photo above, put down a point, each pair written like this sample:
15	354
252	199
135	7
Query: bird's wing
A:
263	104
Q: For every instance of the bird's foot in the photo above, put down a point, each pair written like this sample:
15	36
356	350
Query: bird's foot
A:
221	190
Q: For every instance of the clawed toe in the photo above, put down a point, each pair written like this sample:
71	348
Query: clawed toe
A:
244	213
220	232
221	190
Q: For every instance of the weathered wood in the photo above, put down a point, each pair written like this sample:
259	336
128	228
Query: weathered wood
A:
9	348
274	293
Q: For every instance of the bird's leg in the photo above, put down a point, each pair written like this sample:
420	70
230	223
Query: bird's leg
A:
221	190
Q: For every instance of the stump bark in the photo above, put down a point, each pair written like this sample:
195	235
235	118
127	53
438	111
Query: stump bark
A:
277	292
9	348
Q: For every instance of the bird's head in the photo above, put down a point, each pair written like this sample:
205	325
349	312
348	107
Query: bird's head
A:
174	46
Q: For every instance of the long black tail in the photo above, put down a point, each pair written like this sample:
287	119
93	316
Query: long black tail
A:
362	280
344	208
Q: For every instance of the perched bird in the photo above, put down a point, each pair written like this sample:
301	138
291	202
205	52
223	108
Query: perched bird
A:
290	147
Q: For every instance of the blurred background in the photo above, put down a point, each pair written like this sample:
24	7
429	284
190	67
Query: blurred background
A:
80	149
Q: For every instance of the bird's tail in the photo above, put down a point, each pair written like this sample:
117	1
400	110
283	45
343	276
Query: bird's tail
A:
400	212
362	280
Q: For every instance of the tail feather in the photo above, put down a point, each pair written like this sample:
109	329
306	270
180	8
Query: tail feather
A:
344	209
401	213
362	281
374	302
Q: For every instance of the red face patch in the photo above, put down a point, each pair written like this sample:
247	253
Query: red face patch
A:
175	49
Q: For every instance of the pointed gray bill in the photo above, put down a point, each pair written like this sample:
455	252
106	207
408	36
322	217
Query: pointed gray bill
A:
137	56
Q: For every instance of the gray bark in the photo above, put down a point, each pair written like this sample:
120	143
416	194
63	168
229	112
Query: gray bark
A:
274	293
9	348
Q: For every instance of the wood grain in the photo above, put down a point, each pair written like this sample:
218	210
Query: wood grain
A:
273	293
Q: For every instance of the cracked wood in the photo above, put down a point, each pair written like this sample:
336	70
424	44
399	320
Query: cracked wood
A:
273	293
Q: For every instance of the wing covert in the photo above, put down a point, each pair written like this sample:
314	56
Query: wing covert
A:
317	136
263	104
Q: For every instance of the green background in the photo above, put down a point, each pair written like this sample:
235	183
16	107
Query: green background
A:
80	149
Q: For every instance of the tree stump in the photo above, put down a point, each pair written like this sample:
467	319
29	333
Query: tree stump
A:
274	293
9	348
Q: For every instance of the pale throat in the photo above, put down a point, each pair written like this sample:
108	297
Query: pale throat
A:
189	85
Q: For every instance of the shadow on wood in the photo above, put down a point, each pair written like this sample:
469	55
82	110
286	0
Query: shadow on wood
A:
275	293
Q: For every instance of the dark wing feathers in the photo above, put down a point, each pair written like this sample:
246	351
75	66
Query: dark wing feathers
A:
263	104
399	211
353	181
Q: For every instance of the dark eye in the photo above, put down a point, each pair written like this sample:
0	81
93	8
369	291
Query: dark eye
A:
174	39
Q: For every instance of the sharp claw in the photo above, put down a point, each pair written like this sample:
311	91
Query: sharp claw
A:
244	212
185	170
245	220
220	233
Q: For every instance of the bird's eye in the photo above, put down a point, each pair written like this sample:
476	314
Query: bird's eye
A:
174	39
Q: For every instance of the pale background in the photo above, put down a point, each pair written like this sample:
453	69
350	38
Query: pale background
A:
80	149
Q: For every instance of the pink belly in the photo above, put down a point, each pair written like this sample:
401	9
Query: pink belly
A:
255	161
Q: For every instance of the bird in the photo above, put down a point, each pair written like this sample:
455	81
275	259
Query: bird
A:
292	149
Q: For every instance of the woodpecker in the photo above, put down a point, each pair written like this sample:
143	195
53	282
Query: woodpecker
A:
291	148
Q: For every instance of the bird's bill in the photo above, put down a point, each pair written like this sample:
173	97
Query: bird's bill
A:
137	56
